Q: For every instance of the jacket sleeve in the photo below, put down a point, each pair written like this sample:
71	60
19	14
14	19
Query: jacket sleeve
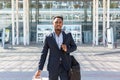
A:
43	55
72	46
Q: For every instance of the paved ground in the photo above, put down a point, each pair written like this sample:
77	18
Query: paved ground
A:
97	63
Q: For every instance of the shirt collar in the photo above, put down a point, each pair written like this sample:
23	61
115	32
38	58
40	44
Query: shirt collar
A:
57	35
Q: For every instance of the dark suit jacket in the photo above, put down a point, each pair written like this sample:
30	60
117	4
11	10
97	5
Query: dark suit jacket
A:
55	53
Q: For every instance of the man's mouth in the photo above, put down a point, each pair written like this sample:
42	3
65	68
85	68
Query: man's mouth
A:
58	29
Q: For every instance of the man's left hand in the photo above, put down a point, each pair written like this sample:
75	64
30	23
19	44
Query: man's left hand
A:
64	47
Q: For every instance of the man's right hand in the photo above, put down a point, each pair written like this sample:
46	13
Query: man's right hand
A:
37	74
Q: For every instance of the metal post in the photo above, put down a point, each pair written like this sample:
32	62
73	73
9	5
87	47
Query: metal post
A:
3	38
109	28
27	31
24	21
94	26
104	22
97	26
13	23
17	23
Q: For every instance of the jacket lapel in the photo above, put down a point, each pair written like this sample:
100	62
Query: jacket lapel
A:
64	37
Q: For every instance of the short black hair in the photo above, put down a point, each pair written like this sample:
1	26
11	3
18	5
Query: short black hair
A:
58	17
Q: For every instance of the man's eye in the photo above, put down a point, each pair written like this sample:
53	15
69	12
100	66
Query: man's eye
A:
60	22
56	22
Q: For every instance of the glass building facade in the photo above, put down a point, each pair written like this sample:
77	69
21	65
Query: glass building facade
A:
75	12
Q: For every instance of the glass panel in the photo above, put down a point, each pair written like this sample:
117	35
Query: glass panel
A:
75	12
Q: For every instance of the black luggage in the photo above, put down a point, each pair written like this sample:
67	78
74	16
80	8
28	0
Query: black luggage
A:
74	73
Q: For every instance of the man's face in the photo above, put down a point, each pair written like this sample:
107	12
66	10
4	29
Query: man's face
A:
57	23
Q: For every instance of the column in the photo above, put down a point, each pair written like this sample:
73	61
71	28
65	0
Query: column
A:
3	38
95	22
24	22
104	22
17	23
110	40
27	31
13	22
96	18
94	26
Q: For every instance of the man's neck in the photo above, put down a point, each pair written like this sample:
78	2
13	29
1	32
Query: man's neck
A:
58	32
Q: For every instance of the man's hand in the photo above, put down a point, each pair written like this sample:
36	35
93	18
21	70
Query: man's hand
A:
37	74
64	47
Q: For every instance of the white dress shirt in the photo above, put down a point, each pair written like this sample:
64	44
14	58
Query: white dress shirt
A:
59	39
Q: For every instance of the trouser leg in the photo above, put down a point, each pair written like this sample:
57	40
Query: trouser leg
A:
63	74
53	76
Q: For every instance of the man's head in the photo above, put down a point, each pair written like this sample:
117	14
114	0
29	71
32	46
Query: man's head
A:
58	23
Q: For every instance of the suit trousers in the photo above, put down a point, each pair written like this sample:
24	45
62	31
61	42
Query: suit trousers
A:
61	73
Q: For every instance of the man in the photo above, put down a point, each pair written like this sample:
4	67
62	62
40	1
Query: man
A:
60	45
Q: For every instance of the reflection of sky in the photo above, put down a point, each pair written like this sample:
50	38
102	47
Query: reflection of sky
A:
71	28
44	27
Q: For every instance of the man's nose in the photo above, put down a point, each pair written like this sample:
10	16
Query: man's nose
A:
58	23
